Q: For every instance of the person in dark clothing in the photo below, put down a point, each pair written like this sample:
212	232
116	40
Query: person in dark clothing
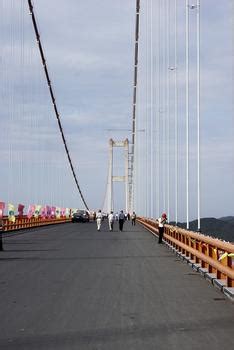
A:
133	218
121	220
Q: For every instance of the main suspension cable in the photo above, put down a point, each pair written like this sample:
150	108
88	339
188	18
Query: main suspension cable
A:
53	98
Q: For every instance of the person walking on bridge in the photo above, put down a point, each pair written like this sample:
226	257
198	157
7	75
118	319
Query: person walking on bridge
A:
161	222
133	218
111	220
99	219
121	220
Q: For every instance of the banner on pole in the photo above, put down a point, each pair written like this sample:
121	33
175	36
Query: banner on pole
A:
11	212
48	211
31	210
43	212
53	209
67	213
2	207
20	210
37	211
63	210
57	213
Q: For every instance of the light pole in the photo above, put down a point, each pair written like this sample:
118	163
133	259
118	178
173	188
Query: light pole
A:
197	8
176	121
187	110
168	106
198	119
151	113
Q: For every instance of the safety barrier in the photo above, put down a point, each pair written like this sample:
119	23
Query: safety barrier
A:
24	222
207	254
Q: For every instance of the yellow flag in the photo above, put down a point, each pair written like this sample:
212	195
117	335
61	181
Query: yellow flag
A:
57	212
67	212
11	212
37	211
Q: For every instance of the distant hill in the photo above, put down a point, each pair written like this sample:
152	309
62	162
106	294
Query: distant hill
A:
222	228
229	219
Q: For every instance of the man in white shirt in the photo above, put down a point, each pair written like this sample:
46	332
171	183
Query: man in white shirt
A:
161	222
99	219
111	220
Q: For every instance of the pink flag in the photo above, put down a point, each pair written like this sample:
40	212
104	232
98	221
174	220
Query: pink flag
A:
48	211
2	207
53	209
31	210
43	212
63	210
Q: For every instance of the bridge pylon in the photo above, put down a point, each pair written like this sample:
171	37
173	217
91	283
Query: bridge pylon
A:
113	178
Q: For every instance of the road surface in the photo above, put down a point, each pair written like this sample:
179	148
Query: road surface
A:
71	287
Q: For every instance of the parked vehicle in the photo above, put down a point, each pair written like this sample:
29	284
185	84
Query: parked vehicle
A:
80	216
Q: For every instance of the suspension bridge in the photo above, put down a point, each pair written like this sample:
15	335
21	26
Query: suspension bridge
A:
125	106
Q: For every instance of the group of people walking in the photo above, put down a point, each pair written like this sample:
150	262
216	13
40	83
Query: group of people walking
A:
111	218
121	217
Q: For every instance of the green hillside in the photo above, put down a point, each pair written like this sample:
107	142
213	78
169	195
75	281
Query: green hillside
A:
222	228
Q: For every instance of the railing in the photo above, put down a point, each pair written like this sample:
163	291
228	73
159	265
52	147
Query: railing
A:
24	222
212	255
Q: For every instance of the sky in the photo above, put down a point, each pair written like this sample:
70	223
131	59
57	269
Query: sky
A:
89	49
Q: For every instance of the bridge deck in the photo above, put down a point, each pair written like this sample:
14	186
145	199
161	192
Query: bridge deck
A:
71	287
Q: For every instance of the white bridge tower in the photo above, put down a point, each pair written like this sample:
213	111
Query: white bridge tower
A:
109	202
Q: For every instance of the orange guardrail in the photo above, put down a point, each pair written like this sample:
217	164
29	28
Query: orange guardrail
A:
209	253
24	222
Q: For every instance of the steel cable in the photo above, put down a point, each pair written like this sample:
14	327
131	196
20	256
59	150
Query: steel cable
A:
53	98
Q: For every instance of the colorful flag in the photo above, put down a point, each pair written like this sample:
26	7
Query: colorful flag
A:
67	212
31	210
57	213
37	211
53	209
11	212
2	207
48	211
43	212
20	210
63	210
